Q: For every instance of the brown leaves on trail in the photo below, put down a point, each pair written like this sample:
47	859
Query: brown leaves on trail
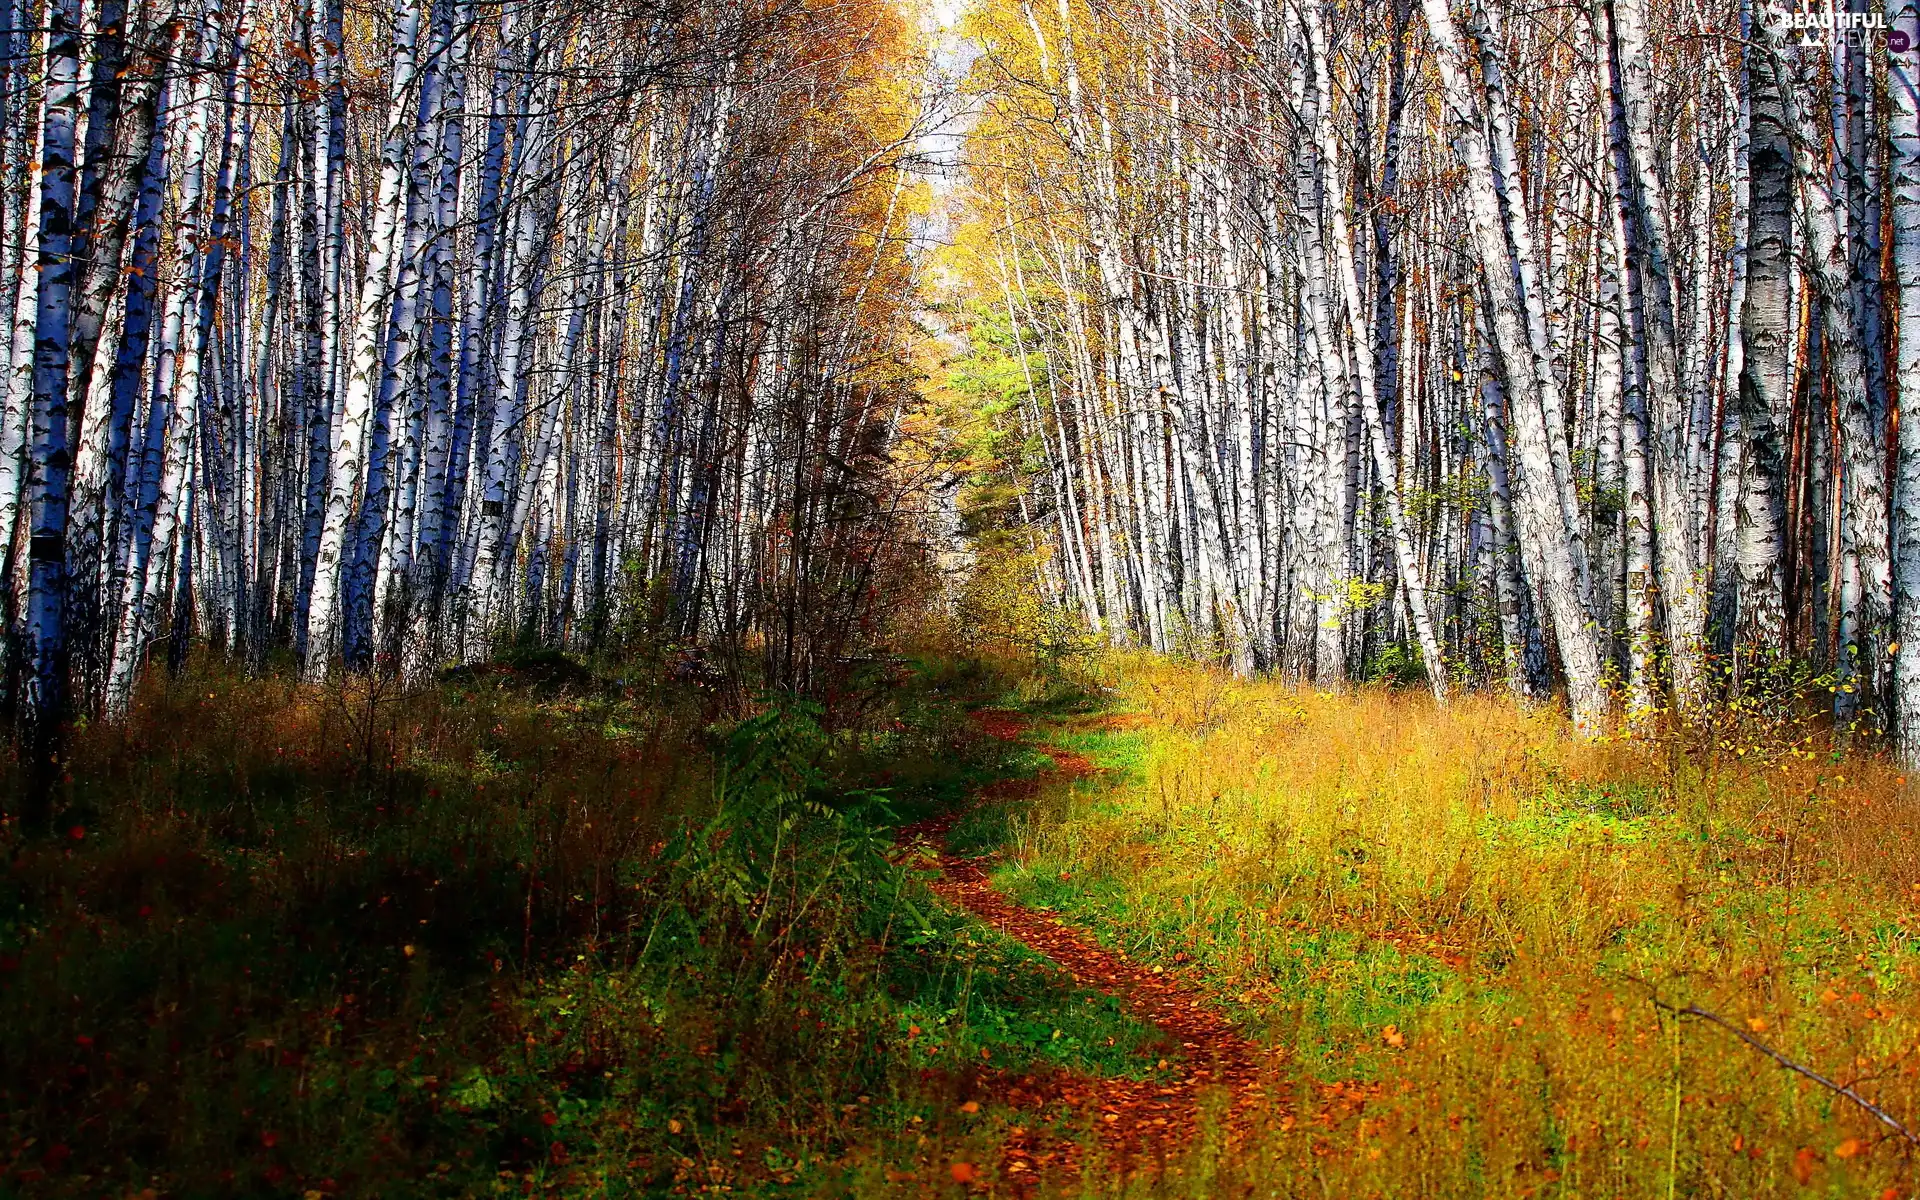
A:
1140	1122
999	723
1008	726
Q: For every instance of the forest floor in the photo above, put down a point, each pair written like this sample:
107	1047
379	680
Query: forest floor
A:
1466	954
1137	929
1142	1123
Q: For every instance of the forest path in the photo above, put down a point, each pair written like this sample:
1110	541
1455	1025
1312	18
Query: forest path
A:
1141	1123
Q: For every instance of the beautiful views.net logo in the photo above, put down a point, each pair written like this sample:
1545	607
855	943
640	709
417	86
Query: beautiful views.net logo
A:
1829	26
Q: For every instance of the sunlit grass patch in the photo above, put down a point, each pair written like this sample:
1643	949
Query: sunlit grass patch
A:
996	1004
1313	988
1479	916
1107	746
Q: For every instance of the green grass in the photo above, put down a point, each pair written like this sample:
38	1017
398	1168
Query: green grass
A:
1116	750
996	1004
1314	983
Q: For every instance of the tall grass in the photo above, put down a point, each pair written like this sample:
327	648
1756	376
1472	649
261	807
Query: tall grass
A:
525	930
521	930
300	936
1471	932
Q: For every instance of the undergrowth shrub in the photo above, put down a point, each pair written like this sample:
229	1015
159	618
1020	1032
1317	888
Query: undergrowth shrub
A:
1002	619
281	923
537	927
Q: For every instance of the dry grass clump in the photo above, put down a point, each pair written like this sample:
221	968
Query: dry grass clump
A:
297	938
1472	931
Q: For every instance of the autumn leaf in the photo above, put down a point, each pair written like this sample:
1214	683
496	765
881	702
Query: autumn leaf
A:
1848	1148
1803	1161
964	1172
970	1107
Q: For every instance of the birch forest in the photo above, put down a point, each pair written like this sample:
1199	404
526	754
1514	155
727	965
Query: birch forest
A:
1535	350
936	599
378	335
1542	352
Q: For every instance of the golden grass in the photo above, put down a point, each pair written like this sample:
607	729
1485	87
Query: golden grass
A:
1467	922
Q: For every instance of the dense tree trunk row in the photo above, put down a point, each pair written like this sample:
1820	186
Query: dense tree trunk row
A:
382	336
1511	347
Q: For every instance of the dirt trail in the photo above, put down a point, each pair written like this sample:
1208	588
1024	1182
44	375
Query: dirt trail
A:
1140	1123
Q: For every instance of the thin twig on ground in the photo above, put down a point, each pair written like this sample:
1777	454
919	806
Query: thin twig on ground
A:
1840	1089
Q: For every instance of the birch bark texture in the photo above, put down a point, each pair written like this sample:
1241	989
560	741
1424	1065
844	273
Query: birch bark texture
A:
1571	388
